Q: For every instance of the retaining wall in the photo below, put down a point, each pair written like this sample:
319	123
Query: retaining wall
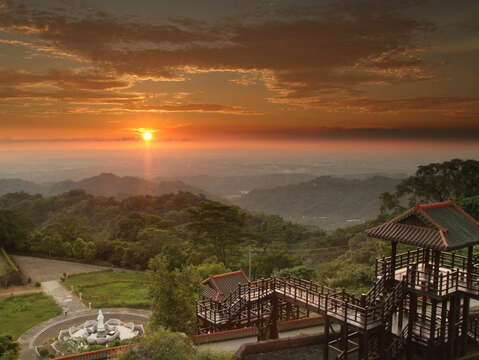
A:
285	325
277	345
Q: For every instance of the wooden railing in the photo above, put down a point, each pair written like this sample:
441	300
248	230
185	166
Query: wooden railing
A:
473	328
336	303
447	260
376	292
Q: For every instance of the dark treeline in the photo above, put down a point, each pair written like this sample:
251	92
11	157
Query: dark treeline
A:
129	232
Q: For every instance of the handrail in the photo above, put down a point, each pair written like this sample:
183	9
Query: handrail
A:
377	290
447	260
336	303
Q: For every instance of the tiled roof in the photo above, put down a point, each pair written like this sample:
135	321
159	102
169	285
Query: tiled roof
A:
442	226
219	286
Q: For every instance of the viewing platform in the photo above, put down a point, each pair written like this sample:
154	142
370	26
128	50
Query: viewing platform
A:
419	302
417	268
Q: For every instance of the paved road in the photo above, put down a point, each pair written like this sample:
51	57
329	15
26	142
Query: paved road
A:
67	300
40	269
48	329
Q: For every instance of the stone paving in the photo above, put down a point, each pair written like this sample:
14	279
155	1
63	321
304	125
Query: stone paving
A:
67	300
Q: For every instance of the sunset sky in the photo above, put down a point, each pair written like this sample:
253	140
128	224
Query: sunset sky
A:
243	70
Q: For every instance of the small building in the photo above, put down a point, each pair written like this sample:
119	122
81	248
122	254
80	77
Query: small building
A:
217	287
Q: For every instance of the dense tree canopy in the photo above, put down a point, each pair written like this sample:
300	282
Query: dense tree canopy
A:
166	345
13	229
174	291
184	227
8	348
455	179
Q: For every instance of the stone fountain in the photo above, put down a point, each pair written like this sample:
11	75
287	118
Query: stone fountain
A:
97	332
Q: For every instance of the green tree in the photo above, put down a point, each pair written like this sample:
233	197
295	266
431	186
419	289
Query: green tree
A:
70	227
274	259
166	345
162	345
174	292
300	271
455	179
218	228
471	206
13	229
208	269
8	348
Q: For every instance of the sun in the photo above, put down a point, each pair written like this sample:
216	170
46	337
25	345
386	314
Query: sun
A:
147	135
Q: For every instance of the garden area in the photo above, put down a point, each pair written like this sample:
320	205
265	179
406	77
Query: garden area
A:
21	312
112	288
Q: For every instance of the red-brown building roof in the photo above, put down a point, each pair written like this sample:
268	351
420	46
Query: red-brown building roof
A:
441	226
217	287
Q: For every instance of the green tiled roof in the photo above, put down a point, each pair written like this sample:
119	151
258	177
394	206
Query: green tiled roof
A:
461	231
442	226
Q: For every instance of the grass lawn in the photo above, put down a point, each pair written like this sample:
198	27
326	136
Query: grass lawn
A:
21	312
111	288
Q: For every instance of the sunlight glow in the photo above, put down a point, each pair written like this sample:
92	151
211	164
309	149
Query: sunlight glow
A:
147	135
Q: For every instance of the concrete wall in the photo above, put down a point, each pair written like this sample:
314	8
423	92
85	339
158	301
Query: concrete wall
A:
277	345
253	331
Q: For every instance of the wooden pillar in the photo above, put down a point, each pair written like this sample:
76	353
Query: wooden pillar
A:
432	340
345	340
326	337
364	349
394	246
443	329
453	310
465	325
437	266
470	269
411	321
273	331
426	259
400	316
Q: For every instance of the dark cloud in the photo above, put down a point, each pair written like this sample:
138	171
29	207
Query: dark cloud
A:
331	49
451	106
64	79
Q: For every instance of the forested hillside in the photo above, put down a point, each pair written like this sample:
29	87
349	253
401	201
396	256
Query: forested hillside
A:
325	201
129	232
102	185
189	229
233	186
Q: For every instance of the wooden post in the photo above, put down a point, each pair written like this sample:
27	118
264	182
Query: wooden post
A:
411	321
452	325
394	245
273	332
470	255
364	349
443	328
426	260
326	337
400	315
344	334
465	325
437	265
432	339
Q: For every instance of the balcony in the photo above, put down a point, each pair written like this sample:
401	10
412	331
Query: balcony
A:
417	268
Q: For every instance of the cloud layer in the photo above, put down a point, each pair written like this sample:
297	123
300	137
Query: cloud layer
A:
327	57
